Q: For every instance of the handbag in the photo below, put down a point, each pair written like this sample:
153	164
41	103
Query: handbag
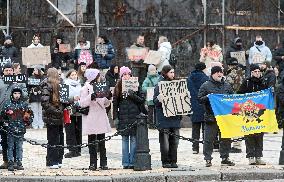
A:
84	110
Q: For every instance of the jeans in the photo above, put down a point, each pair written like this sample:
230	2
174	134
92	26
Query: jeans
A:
168	145
4	144
196	126
73	132
210	132
93	150
254	145
15	142
128	158
37	111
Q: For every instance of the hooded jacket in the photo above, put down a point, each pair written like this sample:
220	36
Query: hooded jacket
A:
165	48
106	61
278	57
233	48
10	51
263	49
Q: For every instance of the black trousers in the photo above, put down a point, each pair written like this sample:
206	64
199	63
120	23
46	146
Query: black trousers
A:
254	145
74	133
168	146
151	114
93	150
210	132
196	126
4	144
55	136
140	72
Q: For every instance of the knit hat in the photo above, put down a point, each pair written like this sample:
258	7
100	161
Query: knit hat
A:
7	65
124	70
200	66
216	69
8	37
232	61
254	67
152	68
91	74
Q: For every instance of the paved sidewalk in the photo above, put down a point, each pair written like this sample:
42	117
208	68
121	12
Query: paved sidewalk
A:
189	163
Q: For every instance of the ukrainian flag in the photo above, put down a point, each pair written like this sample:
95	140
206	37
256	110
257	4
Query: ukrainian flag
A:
238	115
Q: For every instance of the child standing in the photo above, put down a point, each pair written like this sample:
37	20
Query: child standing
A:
17	115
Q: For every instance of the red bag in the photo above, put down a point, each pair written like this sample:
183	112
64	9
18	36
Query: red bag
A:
66	116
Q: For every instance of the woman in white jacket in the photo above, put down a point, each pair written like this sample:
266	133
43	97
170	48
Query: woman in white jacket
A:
165	48
35	42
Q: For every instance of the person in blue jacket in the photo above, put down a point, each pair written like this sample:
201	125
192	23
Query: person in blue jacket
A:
104	61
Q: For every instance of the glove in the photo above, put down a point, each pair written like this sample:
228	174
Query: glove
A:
93	96
116	122
160	97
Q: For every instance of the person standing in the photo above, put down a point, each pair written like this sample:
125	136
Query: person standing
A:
9	51
83	53
194	82
168	143
35	42
259	48
165	48
215	85
104	61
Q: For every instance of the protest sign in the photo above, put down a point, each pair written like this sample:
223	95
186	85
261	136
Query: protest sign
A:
33	81
257	58
101	89
130	84
150	93
4	60
64	93
8	79
101	49
64	48
136	54
240	56
176	98
34	56
85	57
153	57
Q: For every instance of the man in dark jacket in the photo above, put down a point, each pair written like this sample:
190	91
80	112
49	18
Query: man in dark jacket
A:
268	74
8	51
279	58
254	142
235	46
194	82
215	85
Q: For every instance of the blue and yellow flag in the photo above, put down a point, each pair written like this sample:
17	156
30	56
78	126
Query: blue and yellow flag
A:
238	115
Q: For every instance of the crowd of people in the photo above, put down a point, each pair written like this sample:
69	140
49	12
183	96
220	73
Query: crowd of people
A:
40	104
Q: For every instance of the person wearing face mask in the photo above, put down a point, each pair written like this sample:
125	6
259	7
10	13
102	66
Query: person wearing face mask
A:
215	85
236	46
9	51
259	48
254	142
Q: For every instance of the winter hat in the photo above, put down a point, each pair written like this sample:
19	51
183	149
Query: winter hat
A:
216	69
124	70
232	61
16	89
8	37
91	74
267	63
152	68
200	66
7	65
254	67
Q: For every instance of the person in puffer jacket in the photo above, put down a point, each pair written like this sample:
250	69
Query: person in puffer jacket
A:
259	47
165	48
104	61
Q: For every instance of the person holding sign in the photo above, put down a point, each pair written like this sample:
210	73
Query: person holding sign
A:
126	106
215	85
259	52
165	48
53	118
9	51
35	42
236	46
168	143
104	52
83	53
96	123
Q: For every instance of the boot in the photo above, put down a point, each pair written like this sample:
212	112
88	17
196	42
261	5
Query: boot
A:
4	165
72	154
227	162
19	166
208	163
93	167
10	166
252	161
259	161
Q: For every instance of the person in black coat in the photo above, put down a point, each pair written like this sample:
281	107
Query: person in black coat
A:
126	106
279	58
9	51
254	142
168	143
194	82
268	74
112	75
215	85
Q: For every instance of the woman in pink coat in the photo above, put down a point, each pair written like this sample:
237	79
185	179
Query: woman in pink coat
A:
96	123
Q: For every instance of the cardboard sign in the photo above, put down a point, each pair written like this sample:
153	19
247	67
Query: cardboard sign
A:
64	48
176	98
101	49
240	56
150	93
64	93
257	58
153	57
136	54
33	81
4	60
34	56
130	84
85	57
8	79
101	89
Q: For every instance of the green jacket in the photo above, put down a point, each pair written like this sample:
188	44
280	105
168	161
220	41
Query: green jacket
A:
150	81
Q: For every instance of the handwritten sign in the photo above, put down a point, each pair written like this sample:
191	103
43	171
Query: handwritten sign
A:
4	60
64	93
101	49
130	84
8	79
101	89
85	57
64	48
240	56
136	54
153	57
34	56
258	58
176	98
33	81
150	93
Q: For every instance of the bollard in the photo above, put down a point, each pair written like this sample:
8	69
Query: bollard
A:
142	158
281	158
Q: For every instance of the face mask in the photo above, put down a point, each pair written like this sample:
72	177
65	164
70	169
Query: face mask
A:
239	46
259	42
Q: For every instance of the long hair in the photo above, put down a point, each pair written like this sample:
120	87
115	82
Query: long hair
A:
118	89
165	70
53	79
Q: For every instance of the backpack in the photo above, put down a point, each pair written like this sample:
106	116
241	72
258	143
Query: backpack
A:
173	60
